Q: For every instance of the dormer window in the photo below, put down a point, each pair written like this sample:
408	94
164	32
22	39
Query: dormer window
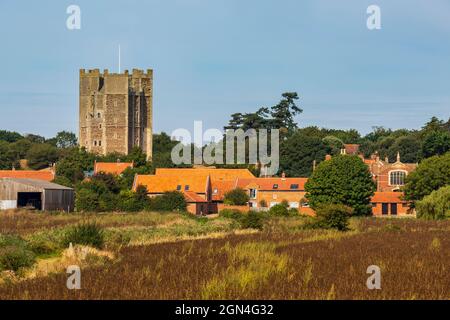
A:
275	186
186	187
179	187
215	191
294	186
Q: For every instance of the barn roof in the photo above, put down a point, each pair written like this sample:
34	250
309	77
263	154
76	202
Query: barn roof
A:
36	183
28	174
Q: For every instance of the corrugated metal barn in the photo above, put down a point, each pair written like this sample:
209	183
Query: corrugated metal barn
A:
38	194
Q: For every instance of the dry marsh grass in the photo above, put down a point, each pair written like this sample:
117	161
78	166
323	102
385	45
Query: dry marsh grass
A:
279	263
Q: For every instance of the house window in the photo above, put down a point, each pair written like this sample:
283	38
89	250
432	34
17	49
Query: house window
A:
178	187
294	186
397	178
186	187
384	208
215	191
252	193
393	208
275	186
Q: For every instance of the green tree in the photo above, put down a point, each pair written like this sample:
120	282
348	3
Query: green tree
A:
41	156
342	180
436	143
431	174
334	144
168	201
279	210
284	112
237	197
298	152
65	139
436	205
9	136
408	147
74	163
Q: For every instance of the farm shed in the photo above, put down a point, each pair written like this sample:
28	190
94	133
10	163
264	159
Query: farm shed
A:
41	195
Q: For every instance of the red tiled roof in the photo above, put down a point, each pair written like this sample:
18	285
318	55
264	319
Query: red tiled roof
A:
28	174
351	148
283	184
214	173
160	184
387	197
220	187
191	196
115	168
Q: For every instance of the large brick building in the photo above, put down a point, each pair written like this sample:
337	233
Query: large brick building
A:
116	111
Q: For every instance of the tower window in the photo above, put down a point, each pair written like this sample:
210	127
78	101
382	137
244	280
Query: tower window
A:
100	143
95	143
98	115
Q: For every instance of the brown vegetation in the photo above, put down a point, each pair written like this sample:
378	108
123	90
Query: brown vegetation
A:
279	263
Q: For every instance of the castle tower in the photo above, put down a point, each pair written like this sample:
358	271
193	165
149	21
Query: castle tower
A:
116	111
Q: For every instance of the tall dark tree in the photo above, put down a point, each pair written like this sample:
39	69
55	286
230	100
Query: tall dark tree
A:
284	112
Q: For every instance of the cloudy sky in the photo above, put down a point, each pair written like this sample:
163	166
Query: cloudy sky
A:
212	58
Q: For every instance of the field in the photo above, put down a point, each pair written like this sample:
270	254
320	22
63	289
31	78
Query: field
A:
174	256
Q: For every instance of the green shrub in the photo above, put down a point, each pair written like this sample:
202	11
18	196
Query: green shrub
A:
293	212
263	203
285	203
253	220
42	246
15	257
436	205
231	214
236	197
86	200
87	233
169	201
332	216
279	210
12	240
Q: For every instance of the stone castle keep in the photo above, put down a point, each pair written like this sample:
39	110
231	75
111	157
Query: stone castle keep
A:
116	111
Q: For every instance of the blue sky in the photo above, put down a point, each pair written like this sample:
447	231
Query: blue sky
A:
213	58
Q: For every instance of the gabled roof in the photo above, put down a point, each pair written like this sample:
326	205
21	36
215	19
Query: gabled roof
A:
388	197
193	197
220	187
115	168
273	184
28	174
214	173
160	184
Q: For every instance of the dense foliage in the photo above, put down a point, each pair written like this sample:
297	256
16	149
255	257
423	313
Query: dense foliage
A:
431	174
343	180
436	205
236	197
